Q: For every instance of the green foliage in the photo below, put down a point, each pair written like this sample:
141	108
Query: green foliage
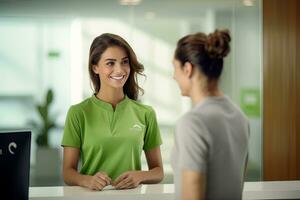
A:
47	122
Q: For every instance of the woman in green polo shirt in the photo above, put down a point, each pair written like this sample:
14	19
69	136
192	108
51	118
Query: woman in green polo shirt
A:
109	130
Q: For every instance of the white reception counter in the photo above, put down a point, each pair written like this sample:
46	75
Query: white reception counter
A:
252	190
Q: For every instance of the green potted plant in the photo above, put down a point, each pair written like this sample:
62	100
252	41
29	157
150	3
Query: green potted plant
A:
48	122
48	159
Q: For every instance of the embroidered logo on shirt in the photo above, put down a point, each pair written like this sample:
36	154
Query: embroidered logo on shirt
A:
137	127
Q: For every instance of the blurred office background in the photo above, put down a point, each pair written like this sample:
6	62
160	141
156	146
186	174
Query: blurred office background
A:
44	45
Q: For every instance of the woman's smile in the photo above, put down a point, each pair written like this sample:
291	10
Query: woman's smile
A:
117	77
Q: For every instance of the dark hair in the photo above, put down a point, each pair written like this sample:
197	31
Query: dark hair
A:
205	51
98	46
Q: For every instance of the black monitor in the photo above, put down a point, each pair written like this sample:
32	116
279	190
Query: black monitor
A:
14	164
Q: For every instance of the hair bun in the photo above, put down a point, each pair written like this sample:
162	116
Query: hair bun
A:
217	44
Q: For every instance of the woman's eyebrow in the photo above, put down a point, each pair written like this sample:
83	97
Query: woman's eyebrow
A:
110	59
124	58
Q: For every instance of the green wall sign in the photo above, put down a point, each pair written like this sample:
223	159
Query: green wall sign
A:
250	101
53	54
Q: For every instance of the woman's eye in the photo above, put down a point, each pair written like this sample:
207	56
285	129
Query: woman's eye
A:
110	63
125	62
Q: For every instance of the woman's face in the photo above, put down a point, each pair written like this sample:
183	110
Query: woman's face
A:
181	76
113	67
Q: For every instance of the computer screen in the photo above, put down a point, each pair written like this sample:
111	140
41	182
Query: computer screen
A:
14	164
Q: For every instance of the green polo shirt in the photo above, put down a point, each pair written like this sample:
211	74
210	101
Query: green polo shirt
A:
111	140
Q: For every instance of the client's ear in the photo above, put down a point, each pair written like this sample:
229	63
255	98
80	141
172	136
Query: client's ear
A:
188	69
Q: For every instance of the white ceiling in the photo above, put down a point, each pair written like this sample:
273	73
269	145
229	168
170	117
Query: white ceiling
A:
112	8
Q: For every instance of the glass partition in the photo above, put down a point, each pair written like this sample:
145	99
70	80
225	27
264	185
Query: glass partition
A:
45	45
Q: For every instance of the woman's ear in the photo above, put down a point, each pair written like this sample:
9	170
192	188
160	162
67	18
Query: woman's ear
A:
95	67
188	69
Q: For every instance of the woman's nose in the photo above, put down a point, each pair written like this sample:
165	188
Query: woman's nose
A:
118	68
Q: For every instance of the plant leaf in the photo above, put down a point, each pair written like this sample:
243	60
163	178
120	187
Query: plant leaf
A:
49	97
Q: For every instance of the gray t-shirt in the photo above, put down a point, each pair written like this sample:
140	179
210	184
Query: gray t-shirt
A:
212	139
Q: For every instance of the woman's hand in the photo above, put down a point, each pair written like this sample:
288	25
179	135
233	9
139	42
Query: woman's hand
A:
98	181
155	174
128	180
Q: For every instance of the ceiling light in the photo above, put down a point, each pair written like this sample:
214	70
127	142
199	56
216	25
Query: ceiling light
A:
130	2
248	3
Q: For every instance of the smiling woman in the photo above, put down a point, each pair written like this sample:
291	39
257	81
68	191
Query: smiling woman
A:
109	130
113	68
111	51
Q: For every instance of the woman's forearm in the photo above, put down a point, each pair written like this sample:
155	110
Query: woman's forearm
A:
154	175
72	177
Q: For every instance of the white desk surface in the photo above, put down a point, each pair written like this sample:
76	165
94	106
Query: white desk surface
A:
252	190
272	190
155	191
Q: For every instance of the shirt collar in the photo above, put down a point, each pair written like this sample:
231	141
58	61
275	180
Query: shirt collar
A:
108	106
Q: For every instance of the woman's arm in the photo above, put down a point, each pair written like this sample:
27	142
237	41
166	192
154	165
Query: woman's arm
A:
155	174
155	165
192	185
72	177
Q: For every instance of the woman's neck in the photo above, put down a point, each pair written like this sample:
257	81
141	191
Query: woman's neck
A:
111	96
199	92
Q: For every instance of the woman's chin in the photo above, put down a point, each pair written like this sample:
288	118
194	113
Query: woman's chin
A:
185	94
117	85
